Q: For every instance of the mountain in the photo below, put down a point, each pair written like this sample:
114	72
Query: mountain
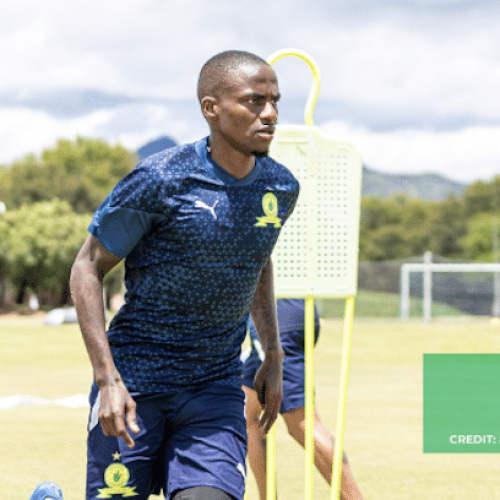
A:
155	146
429	187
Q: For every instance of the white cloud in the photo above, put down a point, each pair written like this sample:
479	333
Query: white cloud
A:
422	64
137	47
464	155
157	47
392	70
28	131
24	131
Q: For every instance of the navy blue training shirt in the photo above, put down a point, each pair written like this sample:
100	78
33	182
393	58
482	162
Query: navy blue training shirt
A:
195	239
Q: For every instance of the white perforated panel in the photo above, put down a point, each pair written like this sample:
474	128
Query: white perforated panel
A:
317	251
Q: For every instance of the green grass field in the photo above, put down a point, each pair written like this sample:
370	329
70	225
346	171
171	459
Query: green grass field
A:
383	436
383	305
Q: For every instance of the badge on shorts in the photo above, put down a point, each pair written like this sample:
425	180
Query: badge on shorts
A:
116	477
270	207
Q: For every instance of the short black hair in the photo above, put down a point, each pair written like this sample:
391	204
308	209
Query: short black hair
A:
217	68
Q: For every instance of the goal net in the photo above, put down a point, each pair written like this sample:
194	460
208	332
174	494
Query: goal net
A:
457	287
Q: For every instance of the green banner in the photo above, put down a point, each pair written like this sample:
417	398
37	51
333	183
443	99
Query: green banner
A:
461	403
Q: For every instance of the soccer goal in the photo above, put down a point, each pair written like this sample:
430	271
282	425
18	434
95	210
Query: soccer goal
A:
473	288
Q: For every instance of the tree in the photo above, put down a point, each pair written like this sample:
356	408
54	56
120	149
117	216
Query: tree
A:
446	228
482	197
478	242
380	232
402	227
38	244
81	172
386	242
377	212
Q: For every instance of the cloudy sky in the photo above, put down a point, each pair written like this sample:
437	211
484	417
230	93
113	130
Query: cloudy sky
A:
413	84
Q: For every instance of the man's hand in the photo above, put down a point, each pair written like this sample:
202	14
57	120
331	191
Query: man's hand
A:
116	405
269	387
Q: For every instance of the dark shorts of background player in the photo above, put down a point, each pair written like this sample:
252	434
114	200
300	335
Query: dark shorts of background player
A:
187	439
293	370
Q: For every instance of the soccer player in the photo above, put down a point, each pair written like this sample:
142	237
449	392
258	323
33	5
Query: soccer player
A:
291	327
196	225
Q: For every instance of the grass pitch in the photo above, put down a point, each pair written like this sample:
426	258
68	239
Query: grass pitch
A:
371	304
383	437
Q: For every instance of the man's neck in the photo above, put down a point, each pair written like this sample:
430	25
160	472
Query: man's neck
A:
235	162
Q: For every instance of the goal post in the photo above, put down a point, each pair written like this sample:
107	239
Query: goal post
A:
429	268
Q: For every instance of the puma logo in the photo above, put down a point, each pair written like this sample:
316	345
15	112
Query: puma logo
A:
242	470
202	204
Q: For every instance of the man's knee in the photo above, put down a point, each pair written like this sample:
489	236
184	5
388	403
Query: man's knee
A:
252	407
295	423
296	431
202	493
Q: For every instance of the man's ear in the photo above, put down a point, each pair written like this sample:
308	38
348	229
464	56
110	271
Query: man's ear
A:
209	108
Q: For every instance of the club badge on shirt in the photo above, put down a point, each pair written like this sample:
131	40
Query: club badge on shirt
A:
270	208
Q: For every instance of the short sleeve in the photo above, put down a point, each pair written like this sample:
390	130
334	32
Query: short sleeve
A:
294	195
129	211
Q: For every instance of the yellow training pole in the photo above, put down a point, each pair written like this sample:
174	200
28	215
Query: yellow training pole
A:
342	401
317	160
313	94
309	397
271	464
309	301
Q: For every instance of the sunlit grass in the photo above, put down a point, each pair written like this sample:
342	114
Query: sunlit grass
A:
383	435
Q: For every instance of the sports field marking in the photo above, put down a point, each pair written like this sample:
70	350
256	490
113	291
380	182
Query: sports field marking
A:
76	401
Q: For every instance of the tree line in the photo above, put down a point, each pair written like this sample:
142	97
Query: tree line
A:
457	227
50	200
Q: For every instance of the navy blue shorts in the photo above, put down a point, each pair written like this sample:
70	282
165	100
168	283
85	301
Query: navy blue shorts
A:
293	370
186	439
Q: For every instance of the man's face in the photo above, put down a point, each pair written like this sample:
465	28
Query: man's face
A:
248	109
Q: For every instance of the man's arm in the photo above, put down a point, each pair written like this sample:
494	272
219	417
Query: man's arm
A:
92	263
269	378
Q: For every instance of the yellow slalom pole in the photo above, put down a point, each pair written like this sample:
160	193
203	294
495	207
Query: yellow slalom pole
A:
271	464
309	305
342	400
309	398
313	94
